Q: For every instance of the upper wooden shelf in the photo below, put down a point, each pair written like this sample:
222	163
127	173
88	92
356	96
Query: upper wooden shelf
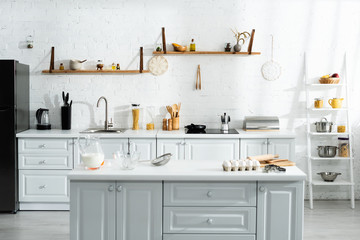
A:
249	50
207	52
94	71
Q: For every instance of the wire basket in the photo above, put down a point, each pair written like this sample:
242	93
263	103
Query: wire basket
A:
329	80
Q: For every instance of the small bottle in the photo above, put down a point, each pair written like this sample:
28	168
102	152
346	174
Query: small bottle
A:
61	66
113	67
118	66
192	45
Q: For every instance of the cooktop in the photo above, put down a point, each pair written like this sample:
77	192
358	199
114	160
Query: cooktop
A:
212	131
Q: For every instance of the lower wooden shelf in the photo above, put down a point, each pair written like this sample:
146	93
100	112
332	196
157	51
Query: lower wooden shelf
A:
93	71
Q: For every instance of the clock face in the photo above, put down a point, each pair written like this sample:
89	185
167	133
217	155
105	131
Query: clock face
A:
271	70
158	65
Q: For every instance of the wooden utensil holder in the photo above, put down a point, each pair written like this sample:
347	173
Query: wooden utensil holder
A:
175	123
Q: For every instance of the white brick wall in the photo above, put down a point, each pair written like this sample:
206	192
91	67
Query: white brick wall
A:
114	30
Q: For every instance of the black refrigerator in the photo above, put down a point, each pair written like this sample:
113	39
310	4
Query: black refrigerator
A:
14	118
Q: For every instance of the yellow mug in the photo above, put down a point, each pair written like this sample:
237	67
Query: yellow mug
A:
335	102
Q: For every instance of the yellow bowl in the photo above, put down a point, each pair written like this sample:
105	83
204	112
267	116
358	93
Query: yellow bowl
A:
180	48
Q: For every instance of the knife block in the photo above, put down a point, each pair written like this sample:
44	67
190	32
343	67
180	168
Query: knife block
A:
66	117
175	123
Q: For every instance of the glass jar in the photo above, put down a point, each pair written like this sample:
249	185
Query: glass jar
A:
344	150
99	65
341	128
136	115
318	102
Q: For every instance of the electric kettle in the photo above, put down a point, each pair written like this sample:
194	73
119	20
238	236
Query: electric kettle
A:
42	117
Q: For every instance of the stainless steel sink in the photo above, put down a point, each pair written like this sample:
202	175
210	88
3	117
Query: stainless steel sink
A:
102	130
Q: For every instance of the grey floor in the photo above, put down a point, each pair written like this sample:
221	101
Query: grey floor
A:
330	220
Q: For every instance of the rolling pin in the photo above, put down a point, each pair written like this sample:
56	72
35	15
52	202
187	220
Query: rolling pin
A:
264	157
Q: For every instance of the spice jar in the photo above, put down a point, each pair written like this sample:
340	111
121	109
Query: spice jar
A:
344	147
318	102
341	128
136	115
61	66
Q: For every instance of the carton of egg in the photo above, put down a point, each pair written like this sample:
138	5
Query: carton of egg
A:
241	165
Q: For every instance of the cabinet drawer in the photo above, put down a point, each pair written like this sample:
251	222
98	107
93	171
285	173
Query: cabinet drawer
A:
207	237
43	186
45	145
46	161
209	194
209	219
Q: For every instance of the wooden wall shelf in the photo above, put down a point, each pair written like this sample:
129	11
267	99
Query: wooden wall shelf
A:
208	52
249	50
93	71
68	71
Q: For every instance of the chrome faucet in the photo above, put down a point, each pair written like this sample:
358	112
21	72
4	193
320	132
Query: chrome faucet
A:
107	124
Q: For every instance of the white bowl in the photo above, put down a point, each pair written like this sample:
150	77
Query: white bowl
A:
75	64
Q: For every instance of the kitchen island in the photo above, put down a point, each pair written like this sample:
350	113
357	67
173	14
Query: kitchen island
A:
189	200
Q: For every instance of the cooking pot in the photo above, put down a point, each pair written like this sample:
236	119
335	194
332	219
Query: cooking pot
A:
323	126
327	151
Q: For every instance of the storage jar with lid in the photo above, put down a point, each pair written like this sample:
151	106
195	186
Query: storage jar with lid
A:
136	115
344	150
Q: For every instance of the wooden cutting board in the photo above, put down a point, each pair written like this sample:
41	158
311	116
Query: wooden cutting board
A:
281	164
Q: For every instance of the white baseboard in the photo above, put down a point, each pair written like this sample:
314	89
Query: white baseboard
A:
44	206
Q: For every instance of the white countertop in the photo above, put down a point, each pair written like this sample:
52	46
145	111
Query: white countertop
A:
184	170
74	133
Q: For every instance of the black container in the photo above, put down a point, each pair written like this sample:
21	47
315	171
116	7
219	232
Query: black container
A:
65	117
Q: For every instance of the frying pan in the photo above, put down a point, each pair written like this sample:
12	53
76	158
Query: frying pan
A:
195	127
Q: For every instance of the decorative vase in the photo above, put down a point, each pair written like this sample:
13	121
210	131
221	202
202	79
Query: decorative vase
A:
237	47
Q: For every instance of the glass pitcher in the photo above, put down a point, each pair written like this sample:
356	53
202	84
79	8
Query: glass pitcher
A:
91	154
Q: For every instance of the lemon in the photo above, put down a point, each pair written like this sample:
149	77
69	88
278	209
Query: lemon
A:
325	76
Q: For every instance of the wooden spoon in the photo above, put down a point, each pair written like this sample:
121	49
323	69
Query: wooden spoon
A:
179	106
175	109
169	109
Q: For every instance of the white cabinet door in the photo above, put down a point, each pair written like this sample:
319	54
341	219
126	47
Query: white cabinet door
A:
146	147
285	147
253	147
280	210
173	146
139	210
211	149
109	146
92	215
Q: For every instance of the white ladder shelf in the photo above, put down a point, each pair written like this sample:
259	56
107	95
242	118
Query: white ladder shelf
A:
312	135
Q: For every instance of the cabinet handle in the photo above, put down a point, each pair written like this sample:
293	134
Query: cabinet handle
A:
270	143
42	146
262	189
42	187
209	221
209	194
119	188
42	162
265	143
111	188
